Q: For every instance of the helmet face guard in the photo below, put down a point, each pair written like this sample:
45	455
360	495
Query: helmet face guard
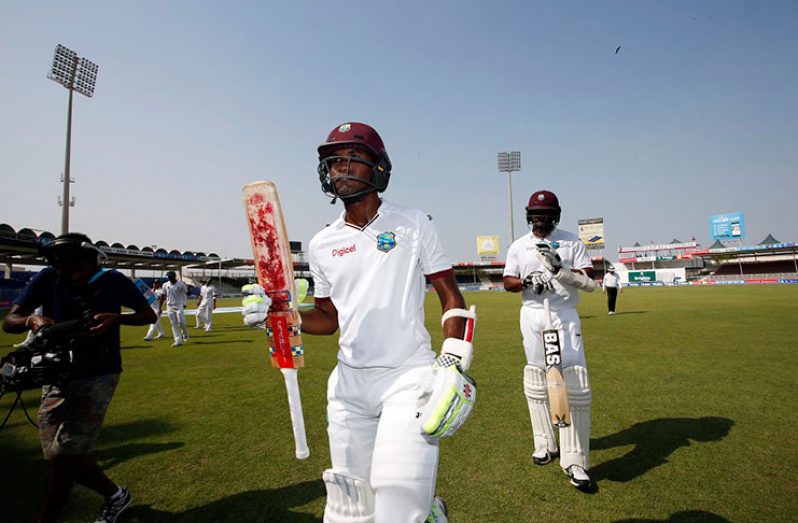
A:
358	136
378	182
543	212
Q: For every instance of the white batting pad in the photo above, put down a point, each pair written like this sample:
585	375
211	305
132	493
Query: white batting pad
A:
537	399
349	500
575	440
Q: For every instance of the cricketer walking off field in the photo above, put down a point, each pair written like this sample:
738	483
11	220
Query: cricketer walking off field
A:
550	262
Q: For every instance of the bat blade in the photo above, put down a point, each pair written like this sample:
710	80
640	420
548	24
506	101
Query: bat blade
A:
271	252
555	384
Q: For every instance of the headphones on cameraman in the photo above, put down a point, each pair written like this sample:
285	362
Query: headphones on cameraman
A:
69	246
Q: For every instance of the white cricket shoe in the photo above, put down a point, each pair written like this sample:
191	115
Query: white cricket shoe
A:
611	313
544	456
579	477
177	343
146	338
438	512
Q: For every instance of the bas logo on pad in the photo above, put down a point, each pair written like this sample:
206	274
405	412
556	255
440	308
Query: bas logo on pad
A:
386	241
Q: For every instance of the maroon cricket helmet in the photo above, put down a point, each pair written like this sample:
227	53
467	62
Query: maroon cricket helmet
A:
361	136
543	203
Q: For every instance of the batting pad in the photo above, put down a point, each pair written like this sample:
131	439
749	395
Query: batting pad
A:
349	500
575	440
537	399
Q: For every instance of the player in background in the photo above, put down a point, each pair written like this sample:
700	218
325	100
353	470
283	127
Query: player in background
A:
551	260
157	307
369	267
207	302
612	287
176	296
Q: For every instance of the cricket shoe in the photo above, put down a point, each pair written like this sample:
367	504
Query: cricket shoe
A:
158	337
579	477
177	343
147	339
208	329
544	457
611	313
439	511
114	506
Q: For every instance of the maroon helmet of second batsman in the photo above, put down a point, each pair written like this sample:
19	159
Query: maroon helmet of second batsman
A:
543	212
360	136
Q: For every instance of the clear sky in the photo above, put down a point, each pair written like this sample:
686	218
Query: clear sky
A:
696	114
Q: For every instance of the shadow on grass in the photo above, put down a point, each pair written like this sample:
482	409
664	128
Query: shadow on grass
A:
124	432
654	441
685	516
629	312
271	505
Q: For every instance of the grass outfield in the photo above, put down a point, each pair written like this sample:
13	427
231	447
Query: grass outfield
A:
694	419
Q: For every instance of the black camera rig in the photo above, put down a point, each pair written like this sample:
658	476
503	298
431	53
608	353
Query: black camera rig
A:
48	358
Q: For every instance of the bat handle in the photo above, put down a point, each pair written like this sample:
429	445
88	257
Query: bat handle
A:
295	406
547	310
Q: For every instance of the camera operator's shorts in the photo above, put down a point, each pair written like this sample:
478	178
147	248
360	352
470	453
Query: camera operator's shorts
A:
70	416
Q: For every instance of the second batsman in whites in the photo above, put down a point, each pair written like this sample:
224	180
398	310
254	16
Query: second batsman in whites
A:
386	410
552	262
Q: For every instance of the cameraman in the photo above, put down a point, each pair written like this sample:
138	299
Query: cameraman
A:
71	412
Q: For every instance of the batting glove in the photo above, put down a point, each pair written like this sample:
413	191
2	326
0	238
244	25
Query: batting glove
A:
450	403
538	281
255	304
549	258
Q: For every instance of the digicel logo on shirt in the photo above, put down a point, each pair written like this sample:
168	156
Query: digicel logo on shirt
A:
344	250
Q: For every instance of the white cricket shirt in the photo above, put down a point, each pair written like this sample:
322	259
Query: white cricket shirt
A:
156	305
176	293
611	280
208	292
522	260
375	278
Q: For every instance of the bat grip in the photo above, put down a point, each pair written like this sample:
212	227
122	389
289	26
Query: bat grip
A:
295	407
547	309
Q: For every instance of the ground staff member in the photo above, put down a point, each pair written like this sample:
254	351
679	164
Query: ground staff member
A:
72	412
369	268
553	262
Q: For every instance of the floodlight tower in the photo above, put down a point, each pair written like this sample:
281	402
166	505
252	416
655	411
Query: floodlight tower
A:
76	74
509	162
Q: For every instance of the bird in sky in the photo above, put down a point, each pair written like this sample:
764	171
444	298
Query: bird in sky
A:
617	49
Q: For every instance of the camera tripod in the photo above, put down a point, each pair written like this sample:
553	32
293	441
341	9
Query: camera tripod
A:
17	401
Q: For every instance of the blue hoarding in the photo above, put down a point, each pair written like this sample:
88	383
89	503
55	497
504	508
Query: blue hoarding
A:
728	226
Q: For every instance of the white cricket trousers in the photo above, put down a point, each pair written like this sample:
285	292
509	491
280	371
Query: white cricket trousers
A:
156	327
533	321
205	315
375	436
177	318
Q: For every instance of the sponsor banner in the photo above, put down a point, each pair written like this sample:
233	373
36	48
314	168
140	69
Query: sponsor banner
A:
746	248
591	232
642	276
660	247
729	226
487	246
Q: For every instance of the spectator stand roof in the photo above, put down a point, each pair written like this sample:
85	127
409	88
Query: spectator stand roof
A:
22	248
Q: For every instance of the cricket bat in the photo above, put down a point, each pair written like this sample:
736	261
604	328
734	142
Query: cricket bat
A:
275	271
555	383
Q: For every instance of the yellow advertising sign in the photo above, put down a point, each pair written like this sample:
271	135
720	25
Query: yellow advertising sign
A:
488	246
